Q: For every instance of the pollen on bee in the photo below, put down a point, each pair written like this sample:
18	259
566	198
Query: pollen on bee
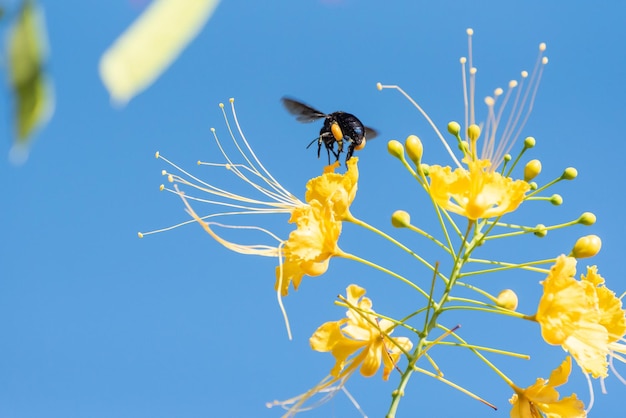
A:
336	130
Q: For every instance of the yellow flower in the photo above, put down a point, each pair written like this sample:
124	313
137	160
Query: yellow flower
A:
318	220
334	190
361	339
542	399
476	192
582	316
310	246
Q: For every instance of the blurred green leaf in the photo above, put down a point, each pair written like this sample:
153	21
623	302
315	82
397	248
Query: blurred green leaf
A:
26	56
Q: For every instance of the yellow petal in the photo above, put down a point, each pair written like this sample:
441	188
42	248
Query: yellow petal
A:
327	336
151	44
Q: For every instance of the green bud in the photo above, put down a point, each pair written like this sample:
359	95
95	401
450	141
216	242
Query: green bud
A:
556	200
454	128
570	173
533	185
529	142
507	158
414	148
587	246
396	149
587	219
541	231
400	219
532	169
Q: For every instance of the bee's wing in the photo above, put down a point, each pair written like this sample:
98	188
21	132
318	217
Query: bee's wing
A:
370	133
304	113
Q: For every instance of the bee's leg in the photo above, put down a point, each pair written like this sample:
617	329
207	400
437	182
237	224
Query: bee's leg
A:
350	151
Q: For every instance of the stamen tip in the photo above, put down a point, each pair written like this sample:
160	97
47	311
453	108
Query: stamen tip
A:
213	129
498	92
512	84
524	74
542	46
139	234
544	60
231	100
163	172
156	154
162	187
469	31
170	178
221	105
463	60
379	86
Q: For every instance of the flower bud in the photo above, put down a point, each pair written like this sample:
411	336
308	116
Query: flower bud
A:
473	132
396	149
556	200
507	299
541	231
587	219
400	219
532	170
570	173
587	246
507	158
414	148
529	142
454	128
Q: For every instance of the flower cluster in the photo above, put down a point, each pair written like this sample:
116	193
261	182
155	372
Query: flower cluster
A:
471	199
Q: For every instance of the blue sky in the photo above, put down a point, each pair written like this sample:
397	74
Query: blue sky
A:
98	323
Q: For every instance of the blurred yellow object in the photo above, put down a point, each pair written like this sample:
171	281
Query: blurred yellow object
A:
27	50
150	45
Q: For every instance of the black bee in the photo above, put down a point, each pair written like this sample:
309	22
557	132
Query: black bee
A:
338	127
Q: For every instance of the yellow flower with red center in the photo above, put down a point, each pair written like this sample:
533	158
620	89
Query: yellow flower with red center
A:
542	399
476	192
361	339
582	316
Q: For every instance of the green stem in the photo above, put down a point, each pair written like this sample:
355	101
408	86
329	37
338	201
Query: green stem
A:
384	270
